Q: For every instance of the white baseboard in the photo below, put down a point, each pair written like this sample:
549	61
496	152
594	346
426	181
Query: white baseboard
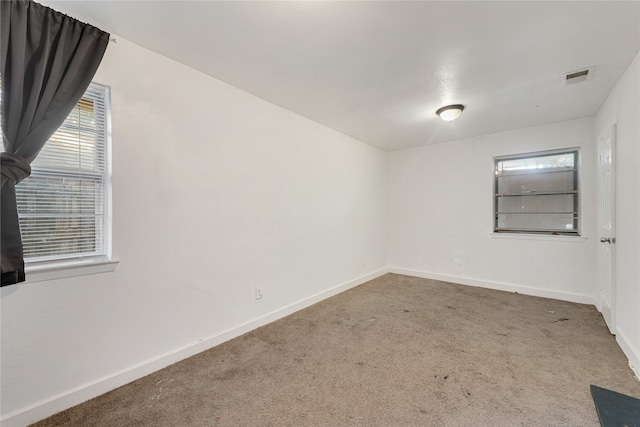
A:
508	287
632	353
68	399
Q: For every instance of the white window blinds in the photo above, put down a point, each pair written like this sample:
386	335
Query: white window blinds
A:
537	193
63	205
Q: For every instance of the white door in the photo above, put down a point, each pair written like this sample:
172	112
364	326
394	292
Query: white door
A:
607	225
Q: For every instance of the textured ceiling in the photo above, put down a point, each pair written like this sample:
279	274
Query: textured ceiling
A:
377	71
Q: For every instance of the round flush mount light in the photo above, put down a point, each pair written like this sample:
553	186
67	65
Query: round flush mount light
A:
450	112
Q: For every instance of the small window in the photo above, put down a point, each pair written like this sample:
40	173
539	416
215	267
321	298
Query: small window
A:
537	193
63	206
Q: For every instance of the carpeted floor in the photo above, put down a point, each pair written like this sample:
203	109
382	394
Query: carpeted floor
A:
396	351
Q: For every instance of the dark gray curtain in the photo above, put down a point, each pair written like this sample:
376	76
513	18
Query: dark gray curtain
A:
47	62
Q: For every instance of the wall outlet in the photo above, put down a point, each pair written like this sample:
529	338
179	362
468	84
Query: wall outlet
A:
258	293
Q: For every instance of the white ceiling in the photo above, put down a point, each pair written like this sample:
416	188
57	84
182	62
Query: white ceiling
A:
377	71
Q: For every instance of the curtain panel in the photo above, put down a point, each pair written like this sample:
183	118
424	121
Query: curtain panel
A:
47	61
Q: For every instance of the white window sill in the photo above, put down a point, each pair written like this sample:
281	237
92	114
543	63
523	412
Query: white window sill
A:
560	238
63	270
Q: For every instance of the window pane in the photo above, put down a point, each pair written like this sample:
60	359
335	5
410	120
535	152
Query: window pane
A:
58	195
67	236
539	182
536	222
556	203
539	162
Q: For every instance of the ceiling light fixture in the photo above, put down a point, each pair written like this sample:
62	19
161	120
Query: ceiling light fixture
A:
450	112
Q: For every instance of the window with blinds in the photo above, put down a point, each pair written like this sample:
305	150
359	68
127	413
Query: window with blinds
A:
63	206
537	193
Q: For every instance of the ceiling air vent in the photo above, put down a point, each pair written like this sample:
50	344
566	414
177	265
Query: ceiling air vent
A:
578	76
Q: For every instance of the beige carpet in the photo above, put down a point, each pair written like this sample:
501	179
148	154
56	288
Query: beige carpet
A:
396	351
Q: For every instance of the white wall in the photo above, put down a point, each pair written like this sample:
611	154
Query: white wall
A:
215	192
441	216
623	108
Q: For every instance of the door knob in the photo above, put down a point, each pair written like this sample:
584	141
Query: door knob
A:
608	239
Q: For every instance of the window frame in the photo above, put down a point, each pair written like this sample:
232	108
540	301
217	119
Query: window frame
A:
536	232
86	263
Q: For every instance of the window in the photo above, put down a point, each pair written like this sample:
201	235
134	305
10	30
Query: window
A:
63	206
537	193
